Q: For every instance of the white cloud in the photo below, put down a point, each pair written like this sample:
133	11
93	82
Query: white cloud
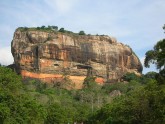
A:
62	6
6	57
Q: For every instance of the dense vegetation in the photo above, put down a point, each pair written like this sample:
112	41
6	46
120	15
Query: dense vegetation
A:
31	101
17	105
136	100
143	104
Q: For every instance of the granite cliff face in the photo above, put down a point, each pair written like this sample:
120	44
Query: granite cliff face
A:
48	55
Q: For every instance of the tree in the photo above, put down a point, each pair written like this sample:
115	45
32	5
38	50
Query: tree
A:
38	28
130	76
66	82
141	106
54	28
81	33
164	27
58	114
42	27
49	27
62	30
151	75
83	112
16	105
89	82
157	57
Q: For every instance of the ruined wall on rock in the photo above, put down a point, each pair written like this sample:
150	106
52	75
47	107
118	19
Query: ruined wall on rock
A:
54	53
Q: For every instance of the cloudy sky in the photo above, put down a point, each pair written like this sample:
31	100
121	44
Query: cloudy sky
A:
137	23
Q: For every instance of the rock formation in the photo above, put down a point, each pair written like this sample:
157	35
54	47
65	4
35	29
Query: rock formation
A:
48	55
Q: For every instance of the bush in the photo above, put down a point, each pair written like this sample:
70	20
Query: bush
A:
89	82
116	86
54	28
42	27
81	33
62	30
130	76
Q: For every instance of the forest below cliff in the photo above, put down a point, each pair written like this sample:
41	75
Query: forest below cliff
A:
135	100
138	100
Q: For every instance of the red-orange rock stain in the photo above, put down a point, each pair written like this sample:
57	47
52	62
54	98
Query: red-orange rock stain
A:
50	78
99	80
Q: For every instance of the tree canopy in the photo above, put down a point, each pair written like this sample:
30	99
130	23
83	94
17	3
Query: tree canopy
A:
157	57
81	33
16	106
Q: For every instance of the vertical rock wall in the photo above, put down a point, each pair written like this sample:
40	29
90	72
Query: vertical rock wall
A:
47	55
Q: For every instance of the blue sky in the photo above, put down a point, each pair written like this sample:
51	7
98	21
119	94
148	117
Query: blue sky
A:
137	23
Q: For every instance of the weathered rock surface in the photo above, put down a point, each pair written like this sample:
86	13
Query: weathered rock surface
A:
48	55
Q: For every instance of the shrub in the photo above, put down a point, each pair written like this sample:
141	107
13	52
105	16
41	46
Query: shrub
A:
81	33
42	27
62	30
130	76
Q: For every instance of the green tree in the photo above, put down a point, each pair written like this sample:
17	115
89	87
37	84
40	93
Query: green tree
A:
66	82
81	33
130	76
16	106
143	105
58	114
83	112
157	57
42	27
151	75
89	82
54	27
38	28
62	30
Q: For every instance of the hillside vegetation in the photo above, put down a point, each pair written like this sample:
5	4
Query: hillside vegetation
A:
140	100
50	29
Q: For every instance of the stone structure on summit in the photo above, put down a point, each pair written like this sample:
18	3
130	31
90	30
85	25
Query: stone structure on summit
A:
47	55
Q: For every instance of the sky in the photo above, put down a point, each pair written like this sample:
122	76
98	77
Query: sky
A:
137	23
